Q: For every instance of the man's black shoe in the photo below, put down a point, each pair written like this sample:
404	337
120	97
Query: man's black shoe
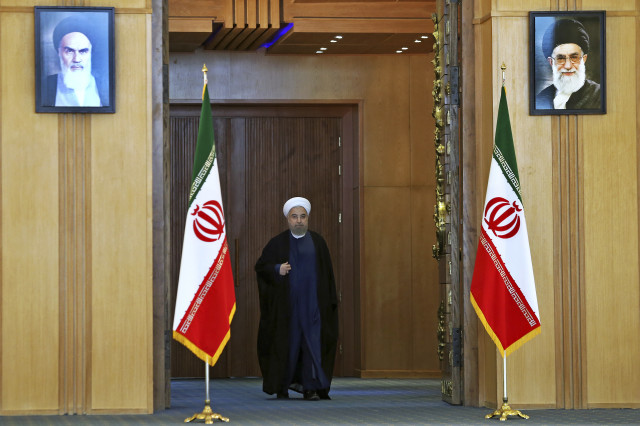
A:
323	394
311	396
283	395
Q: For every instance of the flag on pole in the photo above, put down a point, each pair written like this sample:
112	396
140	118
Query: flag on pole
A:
503	291
206	299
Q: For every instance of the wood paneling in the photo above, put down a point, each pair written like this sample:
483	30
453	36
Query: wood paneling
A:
387	291
583	234
121	375
30	244
76	236
611	289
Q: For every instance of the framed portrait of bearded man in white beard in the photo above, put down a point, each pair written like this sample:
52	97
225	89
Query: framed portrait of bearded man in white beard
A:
74	63
567	63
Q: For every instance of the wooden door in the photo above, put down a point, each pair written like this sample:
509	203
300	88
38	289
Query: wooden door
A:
266	155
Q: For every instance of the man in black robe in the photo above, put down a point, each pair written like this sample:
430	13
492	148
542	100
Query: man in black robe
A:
298	330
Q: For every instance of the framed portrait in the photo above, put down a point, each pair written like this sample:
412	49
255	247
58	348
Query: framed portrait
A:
567	63
74	59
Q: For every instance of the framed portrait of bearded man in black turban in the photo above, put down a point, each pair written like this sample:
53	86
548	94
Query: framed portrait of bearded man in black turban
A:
567	63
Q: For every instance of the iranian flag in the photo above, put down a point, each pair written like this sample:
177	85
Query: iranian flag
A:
206	300
503	291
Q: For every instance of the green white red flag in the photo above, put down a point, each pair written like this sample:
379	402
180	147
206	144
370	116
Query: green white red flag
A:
206	301
503	290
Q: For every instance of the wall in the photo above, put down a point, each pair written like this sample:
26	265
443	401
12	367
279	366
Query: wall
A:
579	177
75	232
398	287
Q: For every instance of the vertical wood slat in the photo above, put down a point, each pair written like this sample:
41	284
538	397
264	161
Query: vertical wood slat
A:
75	269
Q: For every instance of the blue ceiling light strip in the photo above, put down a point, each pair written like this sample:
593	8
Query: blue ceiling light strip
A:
278	35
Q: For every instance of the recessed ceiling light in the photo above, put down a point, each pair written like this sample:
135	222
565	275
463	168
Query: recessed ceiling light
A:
418	41
319	51
405	48
398	51
334	41
424	36
338	36
323	48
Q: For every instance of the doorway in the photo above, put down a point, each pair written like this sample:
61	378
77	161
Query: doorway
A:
266	155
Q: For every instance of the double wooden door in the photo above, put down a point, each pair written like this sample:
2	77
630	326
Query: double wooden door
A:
266	155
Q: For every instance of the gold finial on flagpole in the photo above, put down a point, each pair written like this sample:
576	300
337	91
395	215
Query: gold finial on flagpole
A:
204	77
204	73
503	67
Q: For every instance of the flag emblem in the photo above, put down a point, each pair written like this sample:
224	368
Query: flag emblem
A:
209	222
502	217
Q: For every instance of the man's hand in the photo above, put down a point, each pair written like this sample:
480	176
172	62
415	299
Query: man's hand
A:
285	268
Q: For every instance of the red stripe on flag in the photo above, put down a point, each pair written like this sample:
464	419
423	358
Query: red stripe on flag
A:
207	322
502	307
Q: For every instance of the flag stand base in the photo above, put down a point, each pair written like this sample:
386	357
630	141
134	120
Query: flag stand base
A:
207	415
505	411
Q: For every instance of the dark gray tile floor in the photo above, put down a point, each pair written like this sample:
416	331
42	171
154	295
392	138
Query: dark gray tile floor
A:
354	401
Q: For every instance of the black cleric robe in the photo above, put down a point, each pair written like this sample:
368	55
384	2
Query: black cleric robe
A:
587	97
274	329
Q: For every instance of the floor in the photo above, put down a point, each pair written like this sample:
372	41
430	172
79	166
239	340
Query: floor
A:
354	401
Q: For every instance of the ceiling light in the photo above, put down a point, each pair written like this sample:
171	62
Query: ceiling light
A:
323	48
424	36
398	51
319	51
338	37
334	41
418	41
405	48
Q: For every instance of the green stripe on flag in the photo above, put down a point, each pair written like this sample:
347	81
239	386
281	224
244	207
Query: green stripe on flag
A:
503	150
205	147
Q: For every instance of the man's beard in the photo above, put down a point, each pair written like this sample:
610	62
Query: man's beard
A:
298	230
76	80
569	84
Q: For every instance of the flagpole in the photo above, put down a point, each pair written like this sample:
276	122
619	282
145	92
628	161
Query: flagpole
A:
504	411
207	414
505	398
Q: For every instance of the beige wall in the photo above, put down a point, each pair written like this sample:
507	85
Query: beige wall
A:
75	227
579	177
398	288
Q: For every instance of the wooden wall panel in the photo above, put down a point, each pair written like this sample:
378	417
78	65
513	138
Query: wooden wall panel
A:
387	290
611	289
614	6
534	363
424	290
522	6
121	361
29	232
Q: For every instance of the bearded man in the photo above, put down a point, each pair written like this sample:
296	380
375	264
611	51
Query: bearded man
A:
75	85
565	44
298	330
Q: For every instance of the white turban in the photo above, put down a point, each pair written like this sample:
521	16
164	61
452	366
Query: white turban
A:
296	202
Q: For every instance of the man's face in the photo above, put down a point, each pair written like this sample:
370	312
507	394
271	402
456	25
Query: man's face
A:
75	51
298	221
567	63
75	59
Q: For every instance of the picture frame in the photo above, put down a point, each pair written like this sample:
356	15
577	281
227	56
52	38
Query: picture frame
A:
74	59
564	33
